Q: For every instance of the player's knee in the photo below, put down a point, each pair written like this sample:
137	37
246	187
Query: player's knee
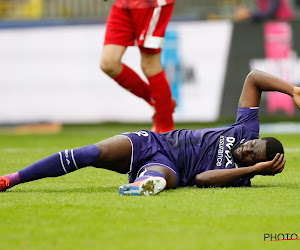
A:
115	154
150	69
109	66
150	64
106	66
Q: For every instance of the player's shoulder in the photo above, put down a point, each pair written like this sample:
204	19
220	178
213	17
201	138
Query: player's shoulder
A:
247	115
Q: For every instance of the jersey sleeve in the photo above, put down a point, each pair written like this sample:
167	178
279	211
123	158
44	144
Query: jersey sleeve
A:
249	118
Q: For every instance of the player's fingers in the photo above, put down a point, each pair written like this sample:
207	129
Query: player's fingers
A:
278	161
280	167
276	157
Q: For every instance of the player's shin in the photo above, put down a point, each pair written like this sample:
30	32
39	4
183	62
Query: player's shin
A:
131	81
163	103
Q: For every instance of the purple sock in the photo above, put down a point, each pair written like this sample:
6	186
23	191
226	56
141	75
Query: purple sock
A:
61	163
14	179
149	173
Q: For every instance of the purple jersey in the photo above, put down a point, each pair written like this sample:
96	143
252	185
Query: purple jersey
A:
190	152
196	151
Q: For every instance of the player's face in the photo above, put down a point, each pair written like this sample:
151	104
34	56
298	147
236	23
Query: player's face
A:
250	152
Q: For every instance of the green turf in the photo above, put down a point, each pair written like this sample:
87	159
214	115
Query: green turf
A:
82	210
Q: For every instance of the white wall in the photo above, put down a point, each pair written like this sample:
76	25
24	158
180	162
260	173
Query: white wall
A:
52	74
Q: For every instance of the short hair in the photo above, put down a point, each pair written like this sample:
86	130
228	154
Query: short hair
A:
273	147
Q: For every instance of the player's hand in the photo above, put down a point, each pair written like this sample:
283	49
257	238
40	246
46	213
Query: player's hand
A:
296	96
273	167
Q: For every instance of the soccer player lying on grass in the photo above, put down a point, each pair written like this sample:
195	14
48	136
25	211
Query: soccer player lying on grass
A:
218	157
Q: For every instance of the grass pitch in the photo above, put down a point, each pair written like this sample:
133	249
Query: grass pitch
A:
83	210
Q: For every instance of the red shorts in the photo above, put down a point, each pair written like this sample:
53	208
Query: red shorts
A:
147	26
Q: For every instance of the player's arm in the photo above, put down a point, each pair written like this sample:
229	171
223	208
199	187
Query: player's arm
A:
257	81
223	177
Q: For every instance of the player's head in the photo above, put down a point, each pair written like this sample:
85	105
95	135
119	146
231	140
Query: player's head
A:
273	146
258	150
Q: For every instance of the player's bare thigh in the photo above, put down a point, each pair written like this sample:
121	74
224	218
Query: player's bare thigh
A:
115	154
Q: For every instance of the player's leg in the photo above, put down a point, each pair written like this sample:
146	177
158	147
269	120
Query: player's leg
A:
160	92
151	181
150	32
121	73
113	154
149	167
120	34
120	153
110	62
54	165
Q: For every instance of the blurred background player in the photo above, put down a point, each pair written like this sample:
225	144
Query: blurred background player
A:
266	9
146	22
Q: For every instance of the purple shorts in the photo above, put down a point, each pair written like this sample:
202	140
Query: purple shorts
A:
149	149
